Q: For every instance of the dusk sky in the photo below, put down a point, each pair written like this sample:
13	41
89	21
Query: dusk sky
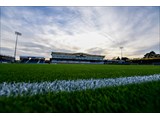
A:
92	30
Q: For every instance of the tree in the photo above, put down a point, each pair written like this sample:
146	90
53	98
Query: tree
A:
118	58
150	55
125	58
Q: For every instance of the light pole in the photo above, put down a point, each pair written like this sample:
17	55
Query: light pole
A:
121	52
17	33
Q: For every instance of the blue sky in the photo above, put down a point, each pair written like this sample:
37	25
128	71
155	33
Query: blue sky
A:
93	30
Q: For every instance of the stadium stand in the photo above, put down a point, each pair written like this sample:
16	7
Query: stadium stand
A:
6	59
77	58
32	59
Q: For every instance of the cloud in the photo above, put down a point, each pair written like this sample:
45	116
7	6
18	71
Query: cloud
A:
7	50
96	51
97	30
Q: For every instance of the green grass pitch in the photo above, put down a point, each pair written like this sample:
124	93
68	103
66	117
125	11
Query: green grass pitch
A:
144	97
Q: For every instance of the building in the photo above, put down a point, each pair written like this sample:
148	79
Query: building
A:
82	58
32	59
6	59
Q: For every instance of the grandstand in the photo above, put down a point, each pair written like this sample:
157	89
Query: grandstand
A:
6	59
81	58
32	59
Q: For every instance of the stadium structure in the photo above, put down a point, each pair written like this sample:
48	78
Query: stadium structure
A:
6	59
32	59
81	58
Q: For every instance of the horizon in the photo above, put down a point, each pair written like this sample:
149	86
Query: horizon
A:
92	30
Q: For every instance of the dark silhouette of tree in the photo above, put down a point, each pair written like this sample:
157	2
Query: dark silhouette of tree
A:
125	58
118	58
152	54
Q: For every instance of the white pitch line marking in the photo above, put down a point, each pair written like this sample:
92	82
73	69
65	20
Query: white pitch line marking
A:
22	88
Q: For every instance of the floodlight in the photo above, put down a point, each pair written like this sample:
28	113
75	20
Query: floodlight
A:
17	33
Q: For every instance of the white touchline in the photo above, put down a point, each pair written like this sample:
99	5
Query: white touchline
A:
22	88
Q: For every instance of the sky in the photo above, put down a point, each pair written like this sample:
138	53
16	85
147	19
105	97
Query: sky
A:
92	30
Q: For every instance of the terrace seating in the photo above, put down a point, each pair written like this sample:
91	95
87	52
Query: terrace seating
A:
32	60
24	60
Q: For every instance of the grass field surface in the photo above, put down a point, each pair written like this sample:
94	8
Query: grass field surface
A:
143	97
22	88
45	72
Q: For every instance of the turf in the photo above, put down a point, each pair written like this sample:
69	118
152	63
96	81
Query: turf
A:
142	97
45	72
135	98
